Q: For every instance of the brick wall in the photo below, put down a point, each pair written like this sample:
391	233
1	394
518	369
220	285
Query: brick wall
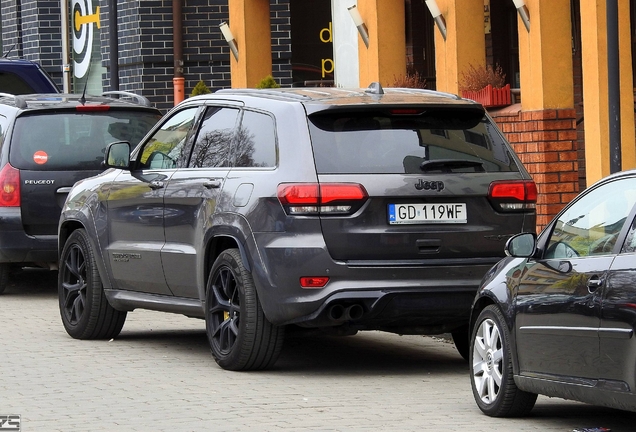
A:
146	62
280	19
546	142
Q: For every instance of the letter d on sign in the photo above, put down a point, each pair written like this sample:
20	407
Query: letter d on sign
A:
322	34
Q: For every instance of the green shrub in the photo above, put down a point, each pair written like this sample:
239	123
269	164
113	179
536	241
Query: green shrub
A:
200	89
268	82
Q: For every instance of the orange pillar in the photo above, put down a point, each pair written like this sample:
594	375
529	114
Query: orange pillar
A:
385	59
465	42
249	23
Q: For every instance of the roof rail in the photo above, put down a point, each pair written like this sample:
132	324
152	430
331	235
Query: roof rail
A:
268	92
9	95
142	100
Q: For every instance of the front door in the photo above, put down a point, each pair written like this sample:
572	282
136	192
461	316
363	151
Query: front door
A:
136	208
559	296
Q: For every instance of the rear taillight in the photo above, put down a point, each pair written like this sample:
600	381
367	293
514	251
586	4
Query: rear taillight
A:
513	195
321	198
9	187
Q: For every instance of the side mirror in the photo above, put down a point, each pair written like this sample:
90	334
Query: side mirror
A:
117	155
521	245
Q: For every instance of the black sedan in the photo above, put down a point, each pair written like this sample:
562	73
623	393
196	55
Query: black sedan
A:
557	316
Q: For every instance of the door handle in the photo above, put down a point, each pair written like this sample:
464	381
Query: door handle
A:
594	283
213	183
156	184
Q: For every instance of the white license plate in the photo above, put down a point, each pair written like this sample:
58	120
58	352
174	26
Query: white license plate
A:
427	213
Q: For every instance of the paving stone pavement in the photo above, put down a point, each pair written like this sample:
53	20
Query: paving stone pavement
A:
158	375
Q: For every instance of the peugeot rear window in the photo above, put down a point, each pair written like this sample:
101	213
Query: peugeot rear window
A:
70	140
384	142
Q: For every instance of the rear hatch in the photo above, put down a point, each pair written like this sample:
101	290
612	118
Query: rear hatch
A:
54	149
436	183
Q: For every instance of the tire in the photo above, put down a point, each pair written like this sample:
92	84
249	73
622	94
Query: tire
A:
492	380
240	336
85	311
462	342
4	277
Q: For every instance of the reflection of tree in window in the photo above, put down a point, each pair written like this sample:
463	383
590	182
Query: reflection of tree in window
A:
212	149
213	141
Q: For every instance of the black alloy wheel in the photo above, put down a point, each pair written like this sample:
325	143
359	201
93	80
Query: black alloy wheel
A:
85	311
240	336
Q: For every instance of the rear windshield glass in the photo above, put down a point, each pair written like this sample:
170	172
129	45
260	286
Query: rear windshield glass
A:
72	140
361	143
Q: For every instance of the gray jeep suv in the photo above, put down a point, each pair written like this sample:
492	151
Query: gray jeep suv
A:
334	209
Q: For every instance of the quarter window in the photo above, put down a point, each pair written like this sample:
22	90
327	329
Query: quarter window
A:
256	141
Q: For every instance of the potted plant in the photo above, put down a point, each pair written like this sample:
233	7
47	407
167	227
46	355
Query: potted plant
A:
486	85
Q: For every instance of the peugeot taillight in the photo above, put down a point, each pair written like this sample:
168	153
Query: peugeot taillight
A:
321	198
513	195
9	187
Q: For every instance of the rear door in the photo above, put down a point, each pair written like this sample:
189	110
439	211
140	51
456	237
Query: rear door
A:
55	149
428	179
192	196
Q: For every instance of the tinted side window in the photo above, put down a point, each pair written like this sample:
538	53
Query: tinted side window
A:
592	224
214	138
256	141
360	143
166	148
13	84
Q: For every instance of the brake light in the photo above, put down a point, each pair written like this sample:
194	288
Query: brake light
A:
513	195
9	187
313	281
87	108
321	198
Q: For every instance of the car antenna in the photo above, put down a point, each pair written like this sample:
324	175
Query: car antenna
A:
82	100
7	53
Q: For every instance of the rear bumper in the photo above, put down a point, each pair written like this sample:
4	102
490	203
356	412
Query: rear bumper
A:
18	247
415	311
416	297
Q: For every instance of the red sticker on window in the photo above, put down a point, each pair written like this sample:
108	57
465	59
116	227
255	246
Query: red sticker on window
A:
40	157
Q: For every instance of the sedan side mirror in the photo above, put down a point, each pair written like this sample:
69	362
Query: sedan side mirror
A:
117	155
521	245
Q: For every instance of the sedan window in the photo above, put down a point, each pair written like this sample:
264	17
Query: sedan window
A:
592	224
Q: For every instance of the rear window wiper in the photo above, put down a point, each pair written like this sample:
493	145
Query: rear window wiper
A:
448	165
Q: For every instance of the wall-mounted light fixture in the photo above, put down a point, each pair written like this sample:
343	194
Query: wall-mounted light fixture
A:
362	27
523	12
437	16
229	38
